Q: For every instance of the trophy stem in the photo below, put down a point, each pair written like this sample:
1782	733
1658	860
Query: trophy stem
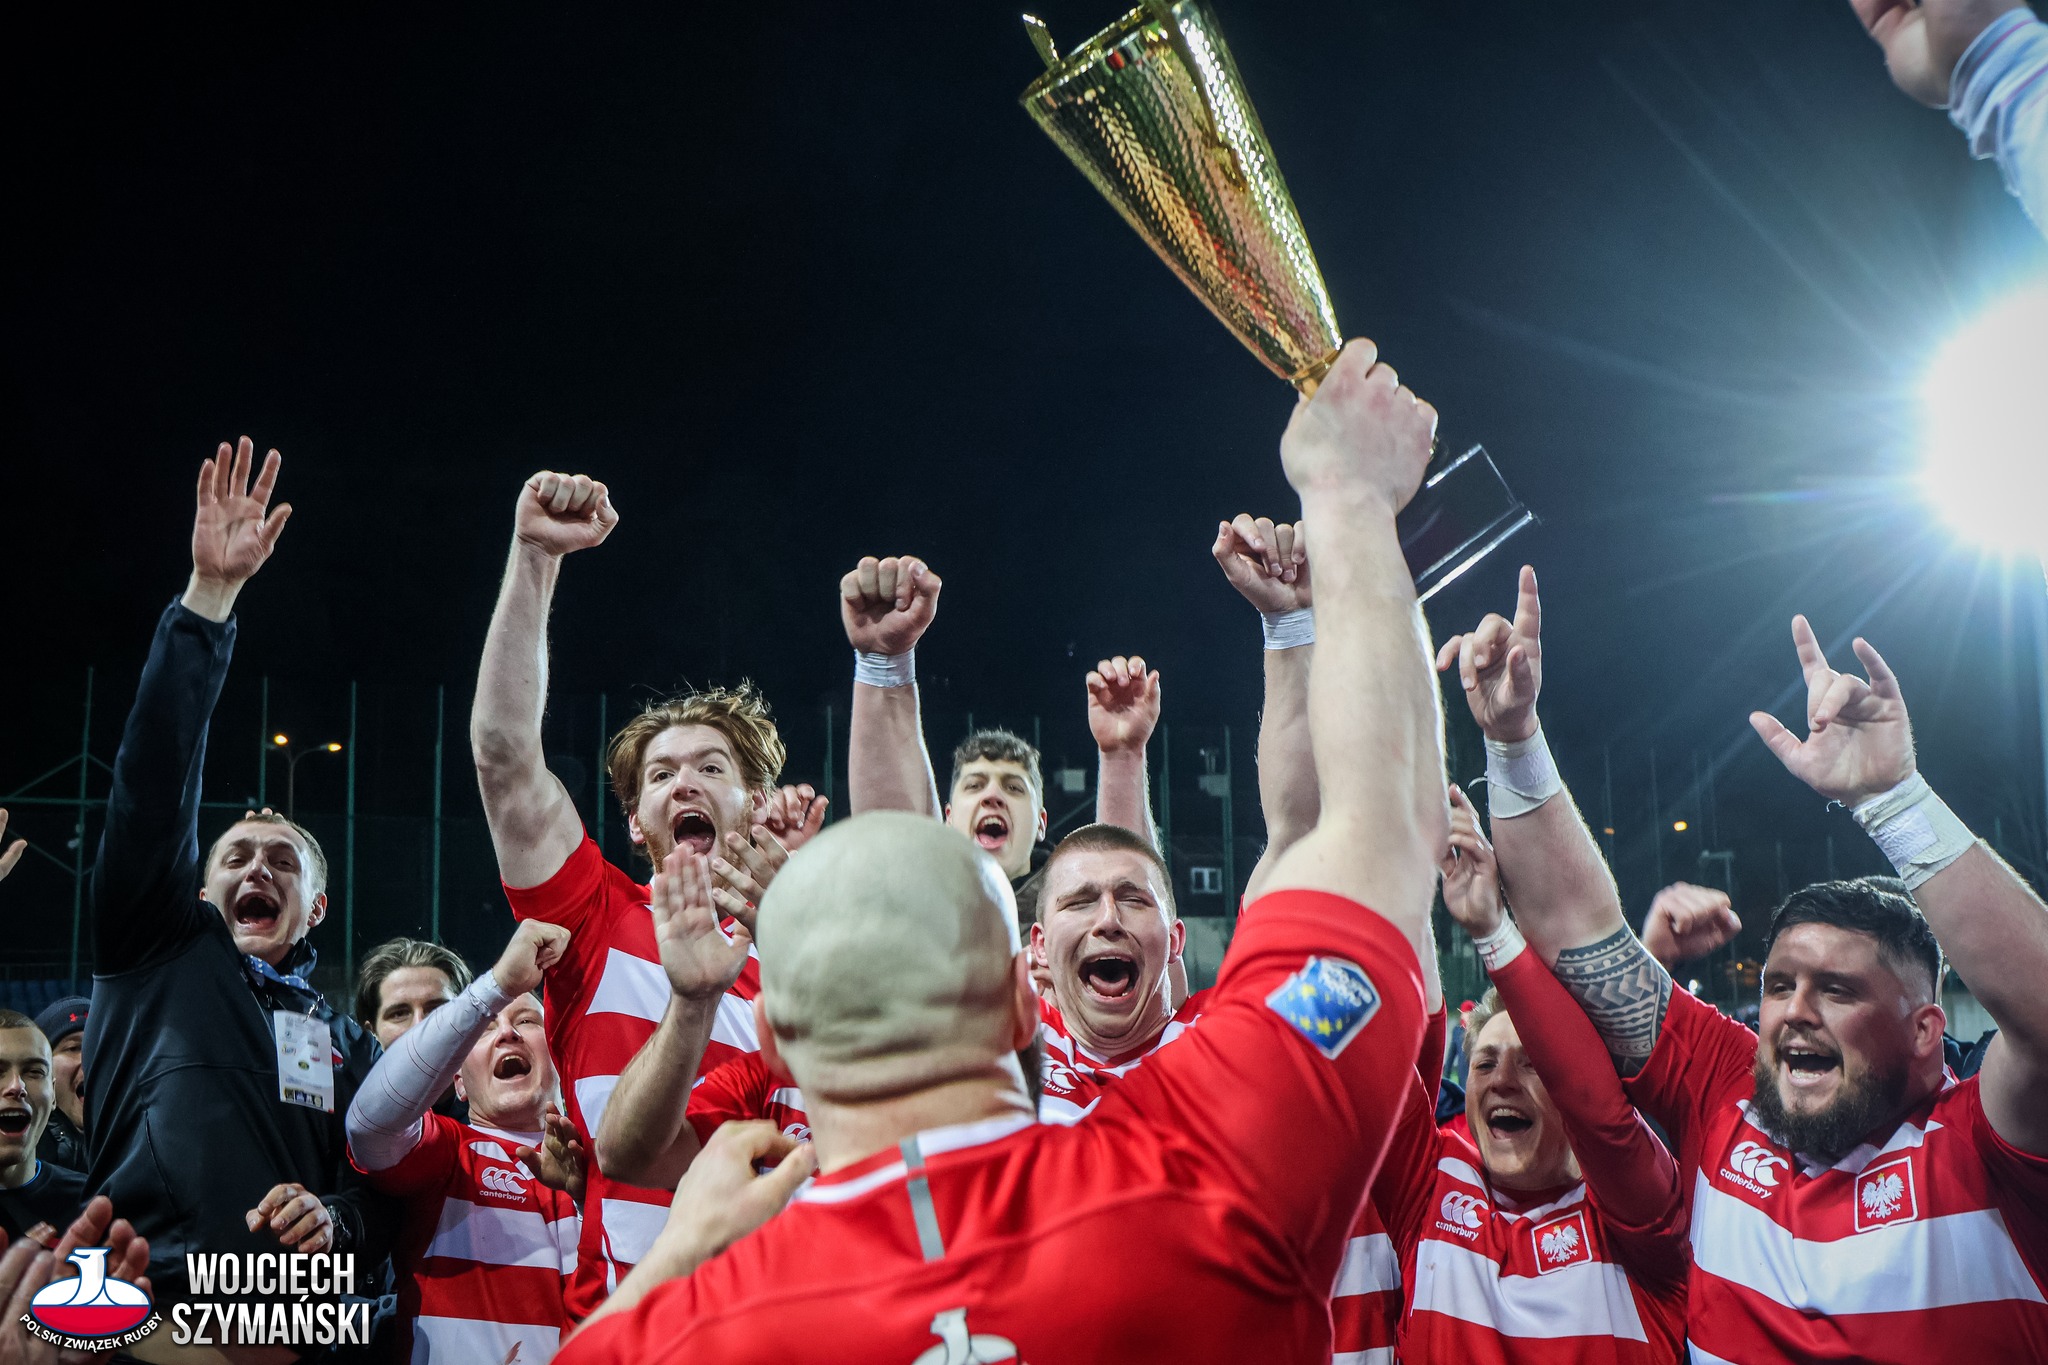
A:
1310	377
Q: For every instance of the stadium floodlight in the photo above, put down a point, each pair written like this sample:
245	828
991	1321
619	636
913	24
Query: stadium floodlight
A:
1984	405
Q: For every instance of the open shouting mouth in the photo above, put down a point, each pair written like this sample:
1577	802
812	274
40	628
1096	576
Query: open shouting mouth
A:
511	1067
1807	1065
1111	976
257	908
14	1122
991	830
1505	1123
694	831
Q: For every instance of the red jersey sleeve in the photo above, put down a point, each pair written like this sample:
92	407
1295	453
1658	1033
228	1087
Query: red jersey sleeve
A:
729	1093
570	896
1402	1191
427	1166
1289	1083
1700	1066
1429	1062
1629	1172
2021	1173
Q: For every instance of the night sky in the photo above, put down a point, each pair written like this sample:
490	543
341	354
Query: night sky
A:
803	282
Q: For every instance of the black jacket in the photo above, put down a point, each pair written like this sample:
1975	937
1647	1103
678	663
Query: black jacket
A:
188	1131
62	1144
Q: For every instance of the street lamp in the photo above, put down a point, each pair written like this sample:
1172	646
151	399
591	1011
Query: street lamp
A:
291	768
1984	412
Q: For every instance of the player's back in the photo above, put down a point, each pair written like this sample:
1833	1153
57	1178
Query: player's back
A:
1200	1213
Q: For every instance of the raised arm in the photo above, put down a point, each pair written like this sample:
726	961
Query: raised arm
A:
1123	711
644	1138
1631	1172
886	605
1355	453
145	879
1565	898
1267	562
533	822
388	1116
1992	927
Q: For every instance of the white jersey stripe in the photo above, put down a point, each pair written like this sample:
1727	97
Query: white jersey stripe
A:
443	1340
593	1093
1961	1258
630	1228
1590	1299
733	1025
1378	1355
1370	1266
489	1235
631	985
1700	1357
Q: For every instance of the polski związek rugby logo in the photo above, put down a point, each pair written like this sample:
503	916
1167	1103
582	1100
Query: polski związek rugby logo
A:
94	1304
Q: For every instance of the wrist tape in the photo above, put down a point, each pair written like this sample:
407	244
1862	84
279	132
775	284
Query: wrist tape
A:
1520	776
1289	629
1915	829
885	670
1502	946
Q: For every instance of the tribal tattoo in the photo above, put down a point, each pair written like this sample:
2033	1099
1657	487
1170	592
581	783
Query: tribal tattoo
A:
1623	990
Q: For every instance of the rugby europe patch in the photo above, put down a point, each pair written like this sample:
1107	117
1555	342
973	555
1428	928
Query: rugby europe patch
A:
1328	1002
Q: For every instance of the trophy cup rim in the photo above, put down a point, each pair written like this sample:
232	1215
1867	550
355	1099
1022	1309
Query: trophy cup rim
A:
1097	48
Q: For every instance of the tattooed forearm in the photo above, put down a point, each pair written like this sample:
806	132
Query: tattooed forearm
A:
1623	991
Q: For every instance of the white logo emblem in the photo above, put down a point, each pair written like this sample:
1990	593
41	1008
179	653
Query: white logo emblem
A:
1463	1210
1884	1194
498	1180
957	1347
1057	1078
1758	1162
1559	1244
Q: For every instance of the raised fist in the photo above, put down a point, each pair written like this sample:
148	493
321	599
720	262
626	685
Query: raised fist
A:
887	603
560	514
1501	666
1362	433
1123	704
1265	560
1686	922
535	947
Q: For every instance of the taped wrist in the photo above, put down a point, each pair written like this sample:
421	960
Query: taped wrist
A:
1915	829
885	670
1289	629
1502	946
1520	776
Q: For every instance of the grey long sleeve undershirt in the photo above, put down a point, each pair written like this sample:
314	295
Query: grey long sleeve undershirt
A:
388	1117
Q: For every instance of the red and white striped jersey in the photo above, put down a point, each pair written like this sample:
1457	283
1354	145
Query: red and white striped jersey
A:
743	1089
485	1251
1491	1279
603	1000
1073	1078
1926	1243
1198	1214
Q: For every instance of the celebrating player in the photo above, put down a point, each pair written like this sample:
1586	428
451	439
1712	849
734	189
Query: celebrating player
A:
1850	1200
487	1248
895	994
696	772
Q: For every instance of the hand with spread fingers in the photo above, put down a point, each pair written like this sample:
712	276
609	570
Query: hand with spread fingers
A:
295	1216
234	529
887	604
1471	874
1687	922
1500	665
741	875
700	960
1859	743
559	514
560	1162
795	814
1266	561
1123	704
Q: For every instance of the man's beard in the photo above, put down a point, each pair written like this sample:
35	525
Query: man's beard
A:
1858	1108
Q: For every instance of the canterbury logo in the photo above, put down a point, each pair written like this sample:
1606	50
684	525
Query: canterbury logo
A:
1463	1210
1757	1161
498	1180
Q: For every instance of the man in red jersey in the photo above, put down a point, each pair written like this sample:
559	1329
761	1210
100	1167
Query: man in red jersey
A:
1546	1227
945	1221
486	1248
696	772
1849	1199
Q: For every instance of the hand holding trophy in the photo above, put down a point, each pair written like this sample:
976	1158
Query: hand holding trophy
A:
1153	112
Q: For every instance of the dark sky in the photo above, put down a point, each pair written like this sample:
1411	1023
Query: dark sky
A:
802	282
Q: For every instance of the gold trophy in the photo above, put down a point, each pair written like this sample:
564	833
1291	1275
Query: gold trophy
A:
1153	112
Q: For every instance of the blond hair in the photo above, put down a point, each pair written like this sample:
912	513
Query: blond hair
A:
738	713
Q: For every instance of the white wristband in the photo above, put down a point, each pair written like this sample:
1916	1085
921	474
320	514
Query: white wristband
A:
1289	629
1502	946
885	670
1915	829
1520	776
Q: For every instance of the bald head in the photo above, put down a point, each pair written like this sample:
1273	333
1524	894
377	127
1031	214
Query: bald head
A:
886	958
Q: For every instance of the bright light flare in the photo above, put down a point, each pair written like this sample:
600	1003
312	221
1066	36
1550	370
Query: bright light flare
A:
1985	409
